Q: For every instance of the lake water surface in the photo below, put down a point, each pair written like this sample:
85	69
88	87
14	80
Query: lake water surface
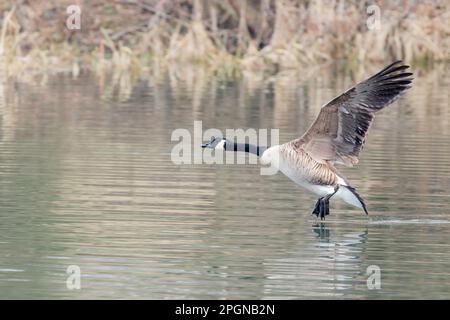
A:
86	179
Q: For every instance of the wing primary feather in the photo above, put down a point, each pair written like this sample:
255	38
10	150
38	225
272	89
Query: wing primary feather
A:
342	125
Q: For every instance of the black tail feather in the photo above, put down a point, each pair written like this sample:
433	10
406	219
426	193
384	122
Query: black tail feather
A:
353	190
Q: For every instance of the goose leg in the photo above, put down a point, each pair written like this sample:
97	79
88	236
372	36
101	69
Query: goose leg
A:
317	208
326	208
322	208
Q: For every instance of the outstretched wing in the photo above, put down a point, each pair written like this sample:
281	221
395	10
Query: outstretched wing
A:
339	131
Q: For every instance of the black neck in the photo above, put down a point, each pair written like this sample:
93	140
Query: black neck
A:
245	147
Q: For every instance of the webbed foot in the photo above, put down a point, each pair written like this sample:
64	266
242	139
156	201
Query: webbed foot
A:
322	208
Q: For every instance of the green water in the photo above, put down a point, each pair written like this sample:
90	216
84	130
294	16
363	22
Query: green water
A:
86	179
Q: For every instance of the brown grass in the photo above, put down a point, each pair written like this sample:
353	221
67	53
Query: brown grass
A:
227	37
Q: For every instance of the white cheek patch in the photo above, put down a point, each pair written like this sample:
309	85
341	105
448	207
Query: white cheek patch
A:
220	145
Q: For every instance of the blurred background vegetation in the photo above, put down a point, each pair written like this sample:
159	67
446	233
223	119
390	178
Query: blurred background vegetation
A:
226	37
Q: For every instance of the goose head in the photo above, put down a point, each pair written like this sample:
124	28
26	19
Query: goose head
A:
216	143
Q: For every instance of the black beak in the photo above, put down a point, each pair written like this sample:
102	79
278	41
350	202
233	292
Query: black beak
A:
205	145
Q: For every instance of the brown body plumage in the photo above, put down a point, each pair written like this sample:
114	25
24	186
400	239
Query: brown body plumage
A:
314	172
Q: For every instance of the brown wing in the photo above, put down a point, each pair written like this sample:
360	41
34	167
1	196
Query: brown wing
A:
339	132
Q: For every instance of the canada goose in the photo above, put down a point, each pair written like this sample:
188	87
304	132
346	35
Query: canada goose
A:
336	137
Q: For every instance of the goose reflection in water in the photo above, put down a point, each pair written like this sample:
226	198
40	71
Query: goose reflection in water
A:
325	268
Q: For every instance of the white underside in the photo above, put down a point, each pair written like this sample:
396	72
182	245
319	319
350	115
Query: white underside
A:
342	193
348	196
295	174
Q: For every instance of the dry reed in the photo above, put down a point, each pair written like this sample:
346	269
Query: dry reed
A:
226	36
